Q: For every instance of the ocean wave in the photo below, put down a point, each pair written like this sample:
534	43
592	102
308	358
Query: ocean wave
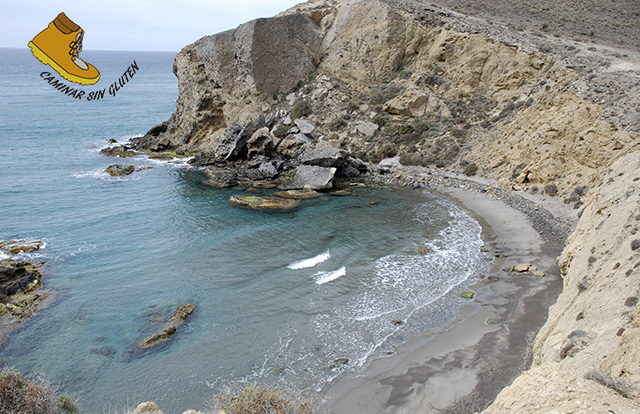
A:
311	262
101	174
326	277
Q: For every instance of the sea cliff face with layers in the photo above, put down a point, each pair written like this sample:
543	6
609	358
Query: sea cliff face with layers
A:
327	89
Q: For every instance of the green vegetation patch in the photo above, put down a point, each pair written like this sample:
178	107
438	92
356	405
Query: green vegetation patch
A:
301	109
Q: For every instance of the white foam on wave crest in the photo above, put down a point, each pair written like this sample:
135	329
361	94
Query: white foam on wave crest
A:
178	162
103	175
326	277
403	285
385	302
99	144
311	262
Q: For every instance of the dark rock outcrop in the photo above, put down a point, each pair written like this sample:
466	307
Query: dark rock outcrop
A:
119	170
17	276
119	151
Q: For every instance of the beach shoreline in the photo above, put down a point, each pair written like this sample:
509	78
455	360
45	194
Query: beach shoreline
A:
467	361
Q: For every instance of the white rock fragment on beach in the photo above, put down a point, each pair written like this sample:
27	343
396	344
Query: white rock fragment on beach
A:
521	268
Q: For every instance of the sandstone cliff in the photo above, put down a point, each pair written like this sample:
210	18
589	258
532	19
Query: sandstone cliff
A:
385	78
586	356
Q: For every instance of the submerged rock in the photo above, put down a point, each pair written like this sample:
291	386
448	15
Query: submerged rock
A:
119	170
169	329
264	203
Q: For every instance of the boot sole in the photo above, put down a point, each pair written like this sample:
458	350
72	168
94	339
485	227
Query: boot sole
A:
44	58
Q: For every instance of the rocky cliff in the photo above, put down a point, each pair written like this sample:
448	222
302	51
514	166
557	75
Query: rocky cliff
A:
375	79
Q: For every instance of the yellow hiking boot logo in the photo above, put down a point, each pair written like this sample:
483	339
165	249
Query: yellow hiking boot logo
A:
59	46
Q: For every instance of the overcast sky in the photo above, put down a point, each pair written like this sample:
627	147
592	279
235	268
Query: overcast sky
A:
133	24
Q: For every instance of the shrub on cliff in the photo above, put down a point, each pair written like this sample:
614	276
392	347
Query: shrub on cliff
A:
22	395
301	109
470	169
258	400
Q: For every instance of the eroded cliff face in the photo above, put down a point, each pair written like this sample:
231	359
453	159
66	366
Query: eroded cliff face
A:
378	80
586	357
232	76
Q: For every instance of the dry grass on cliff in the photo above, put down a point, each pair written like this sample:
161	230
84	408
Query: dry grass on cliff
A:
254	399
22	395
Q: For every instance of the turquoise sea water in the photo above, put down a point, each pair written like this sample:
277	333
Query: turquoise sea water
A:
286	297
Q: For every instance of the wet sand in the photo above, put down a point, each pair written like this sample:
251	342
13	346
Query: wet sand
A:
470	359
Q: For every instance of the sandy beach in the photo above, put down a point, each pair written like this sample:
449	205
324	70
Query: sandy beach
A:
470	359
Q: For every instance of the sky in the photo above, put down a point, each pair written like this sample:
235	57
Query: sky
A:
154	25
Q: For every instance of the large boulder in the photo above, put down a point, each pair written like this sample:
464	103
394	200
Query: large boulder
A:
234	144
366	128
221	177
305	126
323	155
311	177
260	143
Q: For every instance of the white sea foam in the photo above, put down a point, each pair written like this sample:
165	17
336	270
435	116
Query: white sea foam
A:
311	262
92	173
325	277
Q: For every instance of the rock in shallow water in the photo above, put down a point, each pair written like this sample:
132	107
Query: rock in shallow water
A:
264	203
169	329
298	194
119	170
17	246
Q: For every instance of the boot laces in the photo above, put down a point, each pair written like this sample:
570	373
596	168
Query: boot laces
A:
75	49
76	45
